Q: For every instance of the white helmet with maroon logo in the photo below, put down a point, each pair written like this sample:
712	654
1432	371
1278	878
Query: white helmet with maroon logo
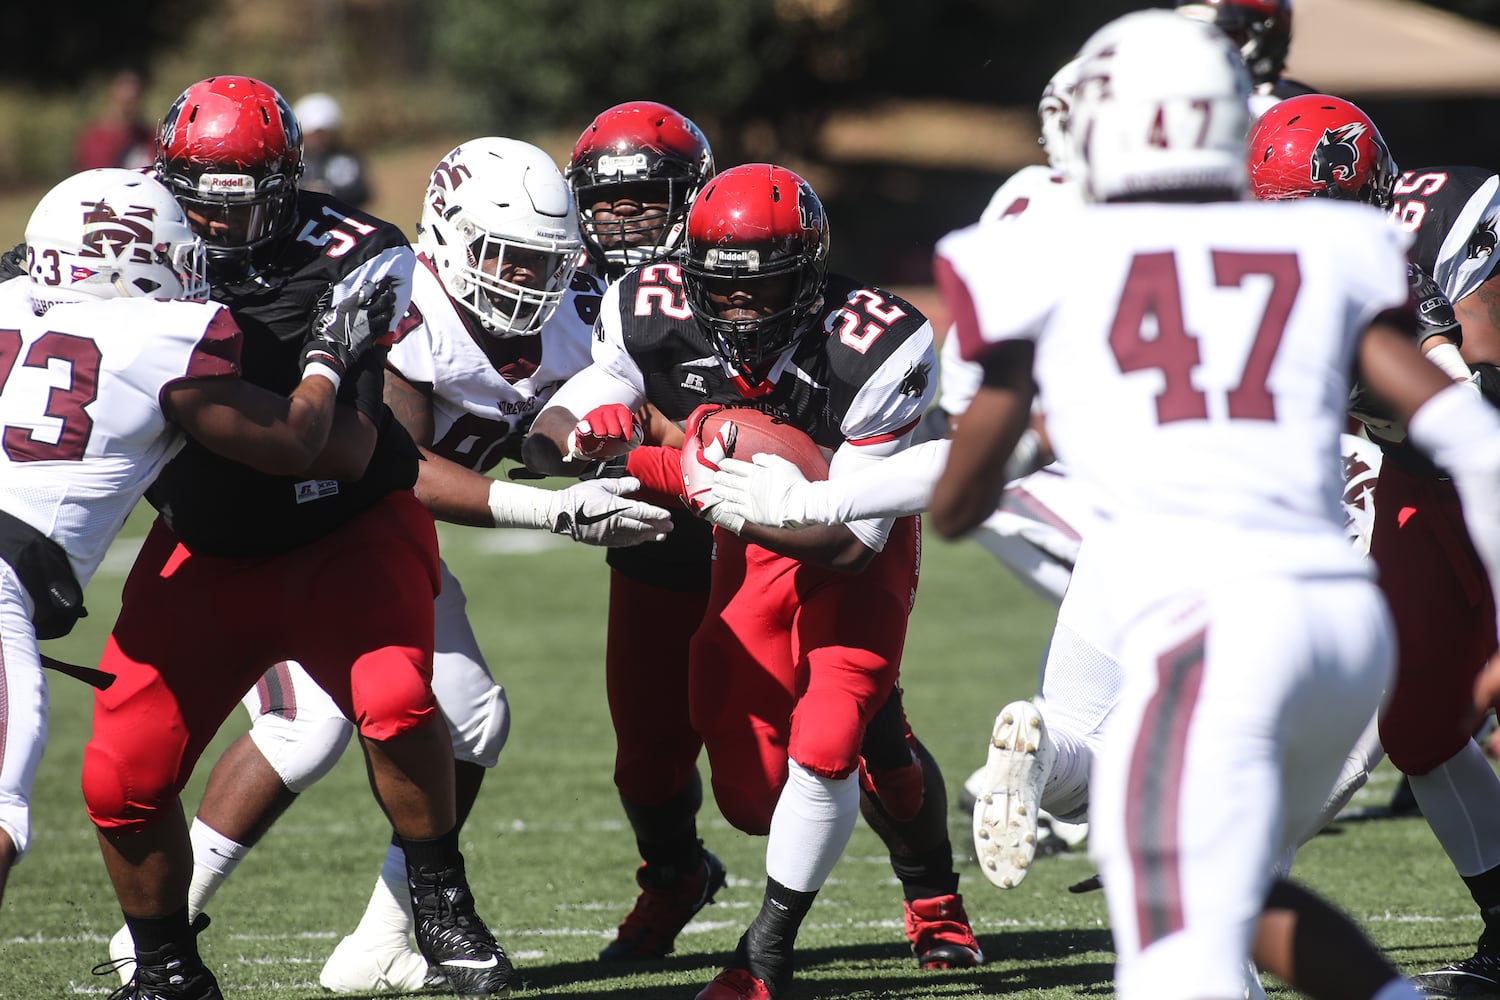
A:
1160	108
112	233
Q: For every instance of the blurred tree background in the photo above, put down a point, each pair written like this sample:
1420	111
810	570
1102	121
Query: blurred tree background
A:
904	116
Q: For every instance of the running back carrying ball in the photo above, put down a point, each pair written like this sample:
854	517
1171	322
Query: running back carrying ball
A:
717	432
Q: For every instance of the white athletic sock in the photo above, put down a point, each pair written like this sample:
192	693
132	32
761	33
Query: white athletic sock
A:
1460	800
1066	794
387	916
215	857
810	828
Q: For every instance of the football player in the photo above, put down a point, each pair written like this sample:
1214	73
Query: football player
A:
117	289
636	170
1262	31
740	321
346	536
108	252
498	320
1222	471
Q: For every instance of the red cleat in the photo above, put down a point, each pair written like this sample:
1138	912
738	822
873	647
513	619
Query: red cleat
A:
940	935
735	984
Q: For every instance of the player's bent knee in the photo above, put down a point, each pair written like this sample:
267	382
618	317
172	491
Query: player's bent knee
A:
746	809
480	738
121	798
392	694
15	826
301	750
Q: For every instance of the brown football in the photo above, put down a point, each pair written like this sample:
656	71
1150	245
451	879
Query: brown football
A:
760	432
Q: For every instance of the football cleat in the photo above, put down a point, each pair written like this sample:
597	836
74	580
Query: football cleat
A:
169	973
734	984
1020	758
452	937
1477	977
660	913
940	934
362	966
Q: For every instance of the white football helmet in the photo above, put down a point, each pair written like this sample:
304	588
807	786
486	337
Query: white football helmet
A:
491	203
1160	107
112	233
1054	109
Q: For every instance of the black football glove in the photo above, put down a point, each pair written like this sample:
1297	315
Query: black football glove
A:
341	333
13	262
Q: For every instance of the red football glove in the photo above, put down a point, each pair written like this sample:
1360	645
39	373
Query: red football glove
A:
604	432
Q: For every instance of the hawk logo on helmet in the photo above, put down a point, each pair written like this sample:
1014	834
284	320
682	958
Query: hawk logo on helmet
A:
1336	154
106	235
1482	241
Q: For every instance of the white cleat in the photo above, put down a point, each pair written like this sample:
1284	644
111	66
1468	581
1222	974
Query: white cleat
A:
1010	794
122	954
362	966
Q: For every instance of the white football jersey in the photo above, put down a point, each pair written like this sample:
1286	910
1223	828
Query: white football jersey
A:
1034	189
1200	381
475	407
80	409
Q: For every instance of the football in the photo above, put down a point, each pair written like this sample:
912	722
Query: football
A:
759	432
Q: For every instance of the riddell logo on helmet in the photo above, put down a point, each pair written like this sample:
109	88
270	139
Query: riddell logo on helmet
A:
635	163
226	184
732	257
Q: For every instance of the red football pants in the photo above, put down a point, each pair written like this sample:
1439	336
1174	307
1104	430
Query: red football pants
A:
195	632
646	679
791	661
1444	614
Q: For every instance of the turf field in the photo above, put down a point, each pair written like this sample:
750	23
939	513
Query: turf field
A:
550	856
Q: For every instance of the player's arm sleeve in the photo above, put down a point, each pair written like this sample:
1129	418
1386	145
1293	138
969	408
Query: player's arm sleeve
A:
881	418
978	272
216	354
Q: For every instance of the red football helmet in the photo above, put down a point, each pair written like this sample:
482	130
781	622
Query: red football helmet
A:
653	154
1319	145
230	149
755	230
1262	30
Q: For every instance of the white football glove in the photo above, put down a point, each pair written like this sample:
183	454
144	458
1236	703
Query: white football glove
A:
594	512
700	463
766	490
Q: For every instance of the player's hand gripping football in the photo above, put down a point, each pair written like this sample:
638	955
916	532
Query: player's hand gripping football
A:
604	432
343	332
700	460
597	513
766	490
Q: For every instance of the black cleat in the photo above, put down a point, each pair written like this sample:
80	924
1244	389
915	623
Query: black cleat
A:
172	972
452	937
1476	978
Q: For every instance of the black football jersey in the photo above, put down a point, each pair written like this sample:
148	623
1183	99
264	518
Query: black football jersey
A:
220	507
1435	318
1452	213
863	373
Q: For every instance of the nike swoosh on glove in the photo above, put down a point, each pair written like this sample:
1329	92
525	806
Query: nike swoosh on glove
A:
598	513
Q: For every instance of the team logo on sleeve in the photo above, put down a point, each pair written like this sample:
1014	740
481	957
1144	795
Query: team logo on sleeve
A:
1336	154
1482	240
914	383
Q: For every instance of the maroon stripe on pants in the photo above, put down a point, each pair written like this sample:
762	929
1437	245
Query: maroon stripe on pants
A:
1154	790
277	696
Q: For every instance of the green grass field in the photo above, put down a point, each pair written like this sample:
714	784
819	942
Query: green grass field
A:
551	858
